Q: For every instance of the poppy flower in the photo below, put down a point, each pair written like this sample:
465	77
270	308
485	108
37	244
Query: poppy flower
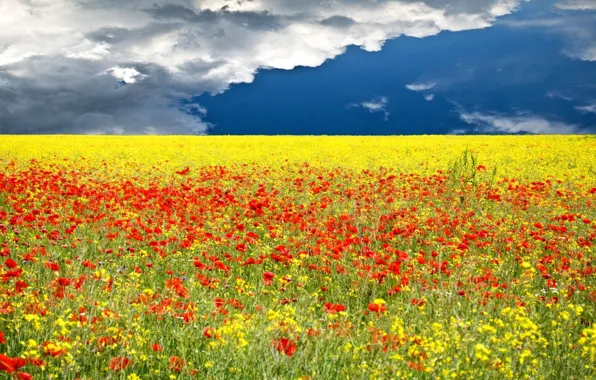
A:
157	347
10	263
334	308
10	365
377	306
2	340
119	363
268	278
52	266
23	376
176	363
209	332
218	302
285	346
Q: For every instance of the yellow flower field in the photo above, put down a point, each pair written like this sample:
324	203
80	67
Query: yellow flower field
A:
297	257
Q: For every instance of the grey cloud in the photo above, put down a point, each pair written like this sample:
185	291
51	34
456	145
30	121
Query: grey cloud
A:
578	29
338	22
63	72
259	21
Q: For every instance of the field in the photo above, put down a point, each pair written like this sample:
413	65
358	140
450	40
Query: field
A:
297	257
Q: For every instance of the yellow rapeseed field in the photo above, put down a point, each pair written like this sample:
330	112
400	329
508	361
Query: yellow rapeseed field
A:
297	257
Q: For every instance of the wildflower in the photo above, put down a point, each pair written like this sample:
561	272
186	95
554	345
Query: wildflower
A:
268	278
120	363
334	308
176	364
10	365
377	306
285	345
156	347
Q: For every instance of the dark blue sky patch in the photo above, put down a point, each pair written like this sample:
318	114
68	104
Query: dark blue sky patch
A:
519	73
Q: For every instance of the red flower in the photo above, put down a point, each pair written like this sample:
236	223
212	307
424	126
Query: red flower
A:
119	363
19	286
88	264
10	365
10	263
377	308
209	332
2	340
63	281
219	302
52	266
157	347
268	278
23	376
184	171
417	302
286	346
334	308
176	363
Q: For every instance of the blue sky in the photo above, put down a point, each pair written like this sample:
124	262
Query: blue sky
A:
501	71
362	67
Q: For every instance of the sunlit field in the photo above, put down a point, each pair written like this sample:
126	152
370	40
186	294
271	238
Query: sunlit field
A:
297	257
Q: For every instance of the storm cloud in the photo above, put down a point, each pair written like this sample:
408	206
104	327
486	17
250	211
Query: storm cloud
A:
129	67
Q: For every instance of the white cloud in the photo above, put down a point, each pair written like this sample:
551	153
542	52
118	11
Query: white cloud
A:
591	108
127	74
513	124
558	95
429	97
421	86
182	48
577	5
378	104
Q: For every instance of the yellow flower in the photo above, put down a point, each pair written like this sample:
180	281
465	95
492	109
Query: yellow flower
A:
379	302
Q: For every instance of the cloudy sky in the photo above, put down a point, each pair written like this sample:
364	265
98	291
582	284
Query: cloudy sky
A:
297	67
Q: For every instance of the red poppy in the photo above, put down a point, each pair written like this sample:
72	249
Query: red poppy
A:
10	365
23	376
209	332
417	302
286	346
334	308
2	340
176	363
10	263
268	278
219	302
377	308
157	347
119	363
52	266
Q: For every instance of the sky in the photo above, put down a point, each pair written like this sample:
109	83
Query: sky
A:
308	67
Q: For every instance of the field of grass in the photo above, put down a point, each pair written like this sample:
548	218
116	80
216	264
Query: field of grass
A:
297	257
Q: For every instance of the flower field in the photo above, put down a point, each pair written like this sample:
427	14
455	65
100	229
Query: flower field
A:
297	257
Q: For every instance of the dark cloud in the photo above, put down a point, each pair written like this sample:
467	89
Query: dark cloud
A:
338	22
112	66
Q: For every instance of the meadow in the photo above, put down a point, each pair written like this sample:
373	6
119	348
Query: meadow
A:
297	257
